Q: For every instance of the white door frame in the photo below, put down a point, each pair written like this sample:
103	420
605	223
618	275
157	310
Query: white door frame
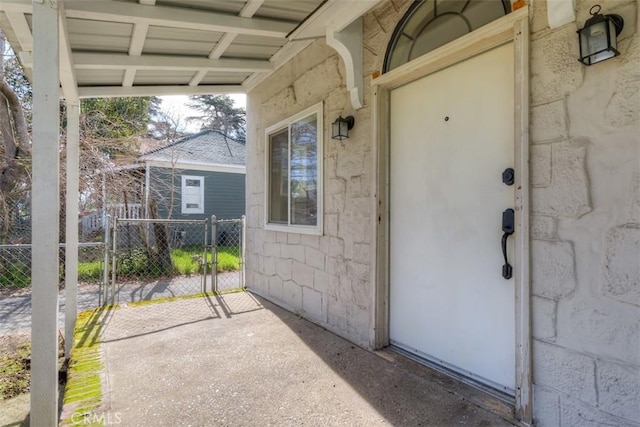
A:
510	28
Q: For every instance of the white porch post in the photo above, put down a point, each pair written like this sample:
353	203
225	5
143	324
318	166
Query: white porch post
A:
45	202
71	237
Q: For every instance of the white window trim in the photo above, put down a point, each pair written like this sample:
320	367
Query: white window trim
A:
316	230
183	203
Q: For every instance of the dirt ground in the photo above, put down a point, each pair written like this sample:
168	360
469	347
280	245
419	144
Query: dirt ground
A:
15	409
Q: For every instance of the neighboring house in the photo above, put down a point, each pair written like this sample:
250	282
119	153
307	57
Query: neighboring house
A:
196	177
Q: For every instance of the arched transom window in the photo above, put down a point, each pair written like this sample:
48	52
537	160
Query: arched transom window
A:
429	24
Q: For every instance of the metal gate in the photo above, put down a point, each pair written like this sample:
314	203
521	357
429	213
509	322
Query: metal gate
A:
162	258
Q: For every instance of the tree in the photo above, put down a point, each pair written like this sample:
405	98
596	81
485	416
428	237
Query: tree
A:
15	140
219	113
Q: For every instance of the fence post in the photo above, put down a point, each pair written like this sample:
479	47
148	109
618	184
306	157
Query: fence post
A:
204	256
105	273
214	253
243	242
114	256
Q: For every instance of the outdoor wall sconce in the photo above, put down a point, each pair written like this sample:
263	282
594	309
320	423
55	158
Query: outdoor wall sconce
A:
341	127
598	37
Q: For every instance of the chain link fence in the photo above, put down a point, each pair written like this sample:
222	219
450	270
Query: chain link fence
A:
162	258
15	268
228	254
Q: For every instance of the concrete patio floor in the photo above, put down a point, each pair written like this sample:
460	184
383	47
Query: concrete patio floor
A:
238	360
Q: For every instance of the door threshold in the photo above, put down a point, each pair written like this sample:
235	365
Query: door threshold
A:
485	397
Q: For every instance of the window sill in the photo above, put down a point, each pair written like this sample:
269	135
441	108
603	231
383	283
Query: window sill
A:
298	229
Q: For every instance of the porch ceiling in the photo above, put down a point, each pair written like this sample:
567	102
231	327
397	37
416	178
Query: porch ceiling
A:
162	47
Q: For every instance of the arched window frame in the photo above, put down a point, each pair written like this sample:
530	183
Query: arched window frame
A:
399	30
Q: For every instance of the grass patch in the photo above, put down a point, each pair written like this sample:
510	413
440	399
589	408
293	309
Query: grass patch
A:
89	271
228	258
15	374
15	276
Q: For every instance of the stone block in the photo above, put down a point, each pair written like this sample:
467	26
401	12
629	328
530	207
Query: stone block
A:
568	195
358	319
336	186
350	163
555	73
313	85
331	224
546	407
621	267
293	238
361	293
302	274
358	271
544	318
549	122
358	187
336	266
623	108
538	16
314	258
544	227
282	237
619	389
275	287
320	281
633	201
293	252
362	253
311	241
269	266
269	236
553	268
335	203
540	165
361	206
283	268
336	247
578	414
336	313
564	370
388	14
600	326
312	304
292	294
271	249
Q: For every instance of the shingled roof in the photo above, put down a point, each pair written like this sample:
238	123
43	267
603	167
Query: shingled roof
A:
209	146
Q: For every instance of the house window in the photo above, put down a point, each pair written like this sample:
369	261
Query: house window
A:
294	173
192	194
429	24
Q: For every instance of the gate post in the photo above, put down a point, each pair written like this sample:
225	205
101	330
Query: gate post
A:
204	256
214	253
105	273
114	257
243	243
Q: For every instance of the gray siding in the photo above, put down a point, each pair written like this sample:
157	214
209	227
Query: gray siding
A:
224	194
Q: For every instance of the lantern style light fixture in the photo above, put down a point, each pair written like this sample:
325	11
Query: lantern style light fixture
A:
598	37
341	127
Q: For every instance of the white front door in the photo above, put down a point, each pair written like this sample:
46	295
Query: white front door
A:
451	138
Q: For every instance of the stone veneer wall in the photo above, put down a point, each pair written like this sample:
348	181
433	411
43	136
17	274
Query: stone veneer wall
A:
585	225
325	278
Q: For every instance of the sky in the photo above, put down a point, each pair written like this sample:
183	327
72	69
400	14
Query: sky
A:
176	106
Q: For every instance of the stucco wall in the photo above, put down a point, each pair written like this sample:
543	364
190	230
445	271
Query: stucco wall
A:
585	226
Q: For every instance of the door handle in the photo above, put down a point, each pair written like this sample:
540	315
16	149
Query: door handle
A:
507	230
